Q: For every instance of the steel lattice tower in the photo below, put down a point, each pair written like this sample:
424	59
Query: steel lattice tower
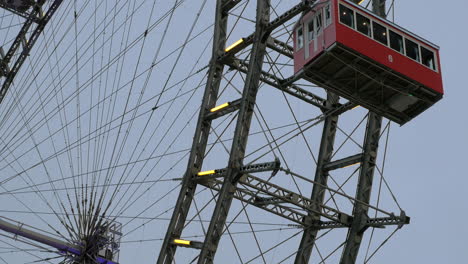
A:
237	172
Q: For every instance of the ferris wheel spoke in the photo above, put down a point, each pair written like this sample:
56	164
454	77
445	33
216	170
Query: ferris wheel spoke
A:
113	60
73	120
168	130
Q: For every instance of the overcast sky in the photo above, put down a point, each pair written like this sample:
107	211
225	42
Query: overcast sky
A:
428	155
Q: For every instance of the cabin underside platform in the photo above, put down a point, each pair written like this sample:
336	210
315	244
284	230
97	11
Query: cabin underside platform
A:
365	82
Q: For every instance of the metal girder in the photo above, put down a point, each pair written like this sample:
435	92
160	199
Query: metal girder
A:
270	197
366	176
239	143
26	43
200	140
280	20
288	15
378	6
364	188
4	68
6	58
251	168
342	163
280	47
28	15
233	106
276	196
282	85
252	198
321	177
379	222
229	4
295	199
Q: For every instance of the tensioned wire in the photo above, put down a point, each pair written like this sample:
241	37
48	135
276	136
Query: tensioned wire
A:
80	144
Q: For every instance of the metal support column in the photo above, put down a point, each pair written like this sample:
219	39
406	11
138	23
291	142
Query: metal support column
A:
364	187
236	157
366	175
200	139
321	177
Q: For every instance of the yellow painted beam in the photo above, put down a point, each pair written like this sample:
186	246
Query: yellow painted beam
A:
235	44
182	242
203	173
219	107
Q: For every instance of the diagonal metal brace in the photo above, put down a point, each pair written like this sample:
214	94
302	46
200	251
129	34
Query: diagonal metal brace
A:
251	168
27	15
378	222
251	197
280	84
26	48
230	4
280	47
280	20
290	197
343	163
233	106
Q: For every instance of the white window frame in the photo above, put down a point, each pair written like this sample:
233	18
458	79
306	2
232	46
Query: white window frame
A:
297	38
316	15
396	30
306	24
436	63
339	15
403	39
328	21
371	28
436	59
386	32
419	50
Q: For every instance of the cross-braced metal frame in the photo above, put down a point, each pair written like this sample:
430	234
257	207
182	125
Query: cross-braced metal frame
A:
13	58
225	181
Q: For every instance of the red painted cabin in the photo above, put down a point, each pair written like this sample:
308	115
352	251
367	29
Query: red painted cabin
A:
368	60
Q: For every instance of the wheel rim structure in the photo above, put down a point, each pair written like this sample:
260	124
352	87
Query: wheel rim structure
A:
98	121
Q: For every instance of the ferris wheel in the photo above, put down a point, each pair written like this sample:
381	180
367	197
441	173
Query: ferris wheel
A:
192	132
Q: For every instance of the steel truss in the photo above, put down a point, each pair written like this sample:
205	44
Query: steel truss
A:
236	180
35	21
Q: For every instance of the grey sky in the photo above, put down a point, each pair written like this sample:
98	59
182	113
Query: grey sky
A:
428	155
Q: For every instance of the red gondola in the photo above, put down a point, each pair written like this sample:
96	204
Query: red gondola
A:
368	60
